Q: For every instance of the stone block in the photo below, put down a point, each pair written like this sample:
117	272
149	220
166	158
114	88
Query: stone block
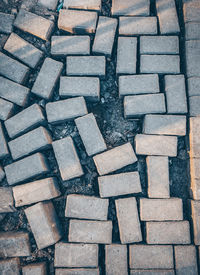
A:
33	269
195	177
192	31
83	5
193	84
2	174
194	137
3	144
152	272
192	52
194	102
6	22
130	7
6	200
50	4
11	267
77	271
6	109
191	11
195	208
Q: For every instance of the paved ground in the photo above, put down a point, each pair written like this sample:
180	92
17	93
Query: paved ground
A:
99	137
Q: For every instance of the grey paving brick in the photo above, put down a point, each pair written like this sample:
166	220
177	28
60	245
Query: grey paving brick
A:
82	231
195	208
130	7
6	200
192	49
126	55
193	84
195	177
33	269
156	145
6	22
161	64
34	24
67	158
24	121
191	11
192	30
137	25
2	174
85	5
80	255
119	184
44	224
36	191
86	65
77	271
50	4
176	232
128	220
144	104
3	144
105	35
194	102
89	87
6	109
26	168
90	134
11	266
86	207
77	21
115	159
194	137
152	272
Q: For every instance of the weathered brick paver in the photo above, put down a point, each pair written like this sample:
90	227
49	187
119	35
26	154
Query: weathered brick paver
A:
11	266
130	7
195	207
195	177
152	272
77	271
192	48
6	22
194	137
2	174
6	109
85	5
192	30
193	86
51	4
36	268
191	11
137	25
194	102
3	144
6	200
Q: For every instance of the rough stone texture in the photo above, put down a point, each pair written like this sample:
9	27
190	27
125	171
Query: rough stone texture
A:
177	232
156	145
193	86
115	159
119	184
44	224
77	21
128	220
126	55
36	191
116	259
6	200
77	271
34	24
83	4
49	4
192	30
24	121
79	255
165	125
194	102
105	35
158	177
195	177
161	64
86	207
11	267
195	207
6	22
191	11
151	256
26	168
90	134
47	78
6	109
14	244
3	144
152	272
2	174
144	104
90	231
194	137
130	7
137	25
192	49
67	158
89	87
63	110
138	84
33	269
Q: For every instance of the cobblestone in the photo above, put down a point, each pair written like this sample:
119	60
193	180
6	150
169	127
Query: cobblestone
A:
51	4
192	51
193	86
6	109
77	271
36	268
3	144
2	174
152	272
191	11
85	5
194	102
6	22
130	7
6	200
11	266
195	207
192	30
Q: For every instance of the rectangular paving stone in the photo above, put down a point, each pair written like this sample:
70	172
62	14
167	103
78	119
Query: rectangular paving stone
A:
152	272
77	271
194	102
86	207
130	7
6	109
136	105
14	244
3	144
26	168
126	55
75	21
6	22
64	110
158	177
161	64
176	232
90	231
137	25
70	45
195	208
194	137
83	4
149	256
6	200
195	177
36	191
44	224
128	220
116	259
24	121
50	4
175	94
86	65
156	145
90	134
79	255
185	259
34	24
11	266
119	184
165	125
67	158
88	87
35	268
192	49
138	84
47	78
193	84
115	159
2	174
105	35
192	31
191	11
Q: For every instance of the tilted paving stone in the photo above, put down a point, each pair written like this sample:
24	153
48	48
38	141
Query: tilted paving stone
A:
128	220
195	208
152	272
34	24
36	191
2	174
192	31
11	266
86	207
82	231
77	271
192	49
50	4
115	159
44	224
119	184
36	268
67	158
6	22
85	5
88	87
191	11
194	102
195	177
126	55
3	144
193	84
24	121
130	7
6	109
194	137
6	200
